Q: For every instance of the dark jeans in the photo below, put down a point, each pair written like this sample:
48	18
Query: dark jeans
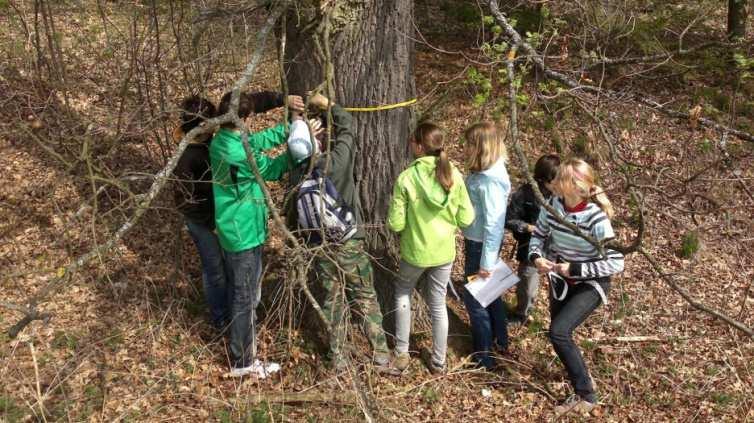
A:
213	272
244	271
566	316
487	324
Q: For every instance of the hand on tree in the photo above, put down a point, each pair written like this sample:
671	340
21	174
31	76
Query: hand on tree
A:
562	269
315	125
295	103
543	265
319	101
483	273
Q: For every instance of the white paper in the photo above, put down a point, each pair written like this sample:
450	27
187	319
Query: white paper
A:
489	289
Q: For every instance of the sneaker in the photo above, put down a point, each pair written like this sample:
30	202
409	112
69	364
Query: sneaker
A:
402	360
437	368
574	404
381	358
258	369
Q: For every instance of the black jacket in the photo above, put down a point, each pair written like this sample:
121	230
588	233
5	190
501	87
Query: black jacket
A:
523	210
193	193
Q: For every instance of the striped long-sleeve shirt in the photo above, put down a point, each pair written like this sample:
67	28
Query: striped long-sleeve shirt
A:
586	263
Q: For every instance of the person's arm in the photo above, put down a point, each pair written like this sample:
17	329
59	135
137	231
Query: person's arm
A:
539	236
342	149
271	169
465	214
396	216
264	101
269	138
495	198
607	265
514	221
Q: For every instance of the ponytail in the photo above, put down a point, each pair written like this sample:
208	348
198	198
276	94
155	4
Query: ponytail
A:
600	198
443	171
431	138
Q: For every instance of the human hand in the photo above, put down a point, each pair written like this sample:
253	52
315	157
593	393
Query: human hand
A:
315	125
530	228
295	103
319	101
562	269
543	265
483	273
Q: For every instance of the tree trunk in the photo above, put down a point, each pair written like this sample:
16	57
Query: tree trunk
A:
737	16
373	57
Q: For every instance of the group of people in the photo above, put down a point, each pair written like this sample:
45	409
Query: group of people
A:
226	215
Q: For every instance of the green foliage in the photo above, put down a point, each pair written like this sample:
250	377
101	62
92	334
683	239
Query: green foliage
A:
482	85
529	19
259	414
430	395
588	345
723	398
744	64
9	411
689	244
64	340
464	12
705	146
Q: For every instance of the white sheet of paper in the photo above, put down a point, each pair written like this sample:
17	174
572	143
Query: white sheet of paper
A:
488	290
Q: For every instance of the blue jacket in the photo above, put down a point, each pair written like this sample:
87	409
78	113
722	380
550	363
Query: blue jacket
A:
488	191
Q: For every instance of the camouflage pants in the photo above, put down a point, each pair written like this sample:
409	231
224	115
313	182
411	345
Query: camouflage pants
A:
347	270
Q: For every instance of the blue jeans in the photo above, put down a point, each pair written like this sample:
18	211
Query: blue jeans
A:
566	316
244	272
213	272
487	324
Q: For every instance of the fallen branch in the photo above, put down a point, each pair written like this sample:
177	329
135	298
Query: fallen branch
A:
686	296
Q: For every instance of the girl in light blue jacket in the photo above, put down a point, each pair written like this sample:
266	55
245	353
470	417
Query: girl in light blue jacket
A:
488	186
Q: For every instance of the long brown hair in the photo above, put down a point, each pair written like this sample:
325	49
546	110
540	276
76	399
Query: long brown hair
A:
578	175
431	138
486	145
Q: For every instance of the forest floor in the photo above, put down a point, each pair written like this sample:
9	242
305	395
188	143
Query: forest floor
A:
129	340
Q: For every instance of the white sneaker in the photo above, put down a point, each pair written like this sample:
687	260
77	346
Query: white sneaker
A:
258	369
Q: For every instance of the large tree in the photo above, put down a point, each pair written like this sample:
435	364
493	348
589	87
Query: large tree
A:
370	48
372	53
737	16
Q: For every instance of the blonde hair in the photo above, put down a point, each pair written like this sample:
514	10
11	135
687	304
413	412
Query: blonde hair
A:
577	175
486	145
431	137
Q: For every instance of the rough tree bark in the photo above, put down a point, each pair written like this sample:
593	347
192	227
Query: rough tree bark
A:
737	16
372	54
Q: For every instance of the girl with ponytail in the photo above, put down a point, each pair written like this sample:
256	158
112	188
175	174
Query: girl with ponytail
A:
579	274
429	204
488	185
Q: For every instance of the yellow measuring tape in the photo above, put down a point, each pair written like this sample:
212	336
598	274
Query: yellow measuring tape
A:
379	108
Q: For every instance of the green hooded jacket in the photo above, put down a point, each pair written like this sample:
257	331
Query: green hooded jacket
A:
426	216
240	209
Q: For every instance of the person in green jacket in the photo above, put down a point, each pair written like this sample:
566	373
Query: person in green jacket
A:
429	204
241	223
346	268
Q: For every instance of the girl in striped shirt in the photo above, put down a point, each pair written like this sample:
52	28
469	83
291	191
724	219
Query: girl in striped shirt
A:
579	274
